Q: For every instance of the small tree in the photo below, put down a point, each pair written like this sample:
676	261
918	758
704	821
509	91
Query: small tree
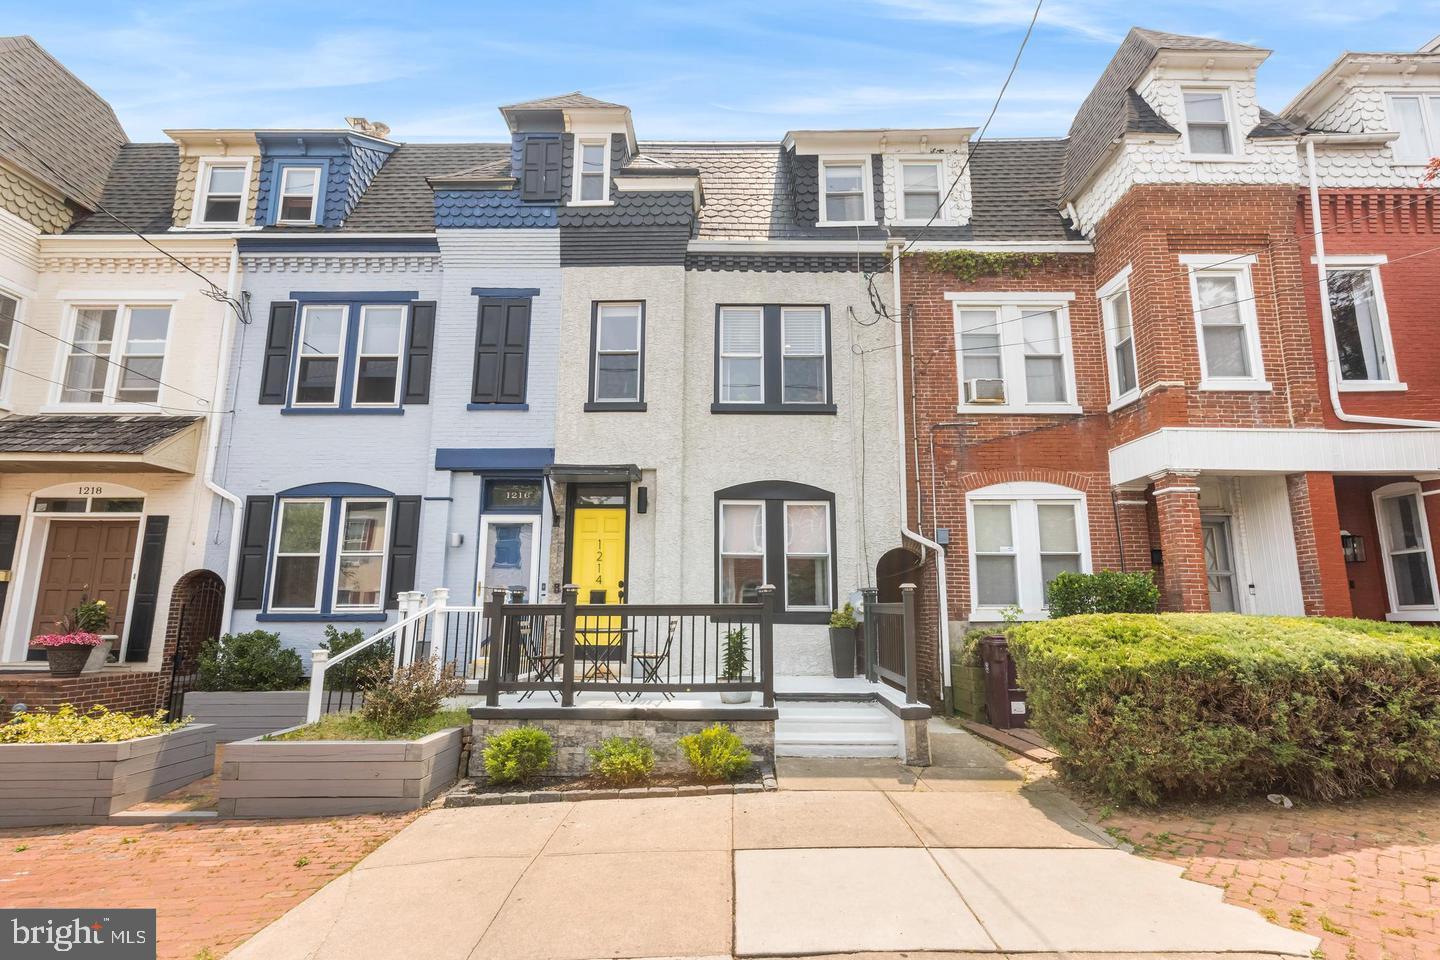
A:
737	655
414	693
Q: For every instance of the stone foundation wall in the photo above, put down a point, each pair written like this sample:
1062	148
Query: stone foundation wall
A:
575	738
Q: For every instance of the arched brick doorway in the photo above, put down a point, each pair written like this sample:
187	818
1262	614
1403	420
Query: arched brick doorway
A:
197	608
895	567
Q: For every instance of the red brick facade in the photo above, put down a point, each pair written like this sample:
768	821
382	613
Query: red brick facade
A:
128	690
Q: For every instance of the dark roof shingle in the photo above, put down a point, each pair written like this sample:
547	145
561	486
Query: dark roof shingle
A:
560	102
97	433
1015	189
140	191
52	125
400	199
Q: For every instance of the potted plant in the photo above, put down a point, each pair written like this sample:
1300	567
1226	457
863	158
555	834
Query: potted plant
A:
78	639
842	641
736	659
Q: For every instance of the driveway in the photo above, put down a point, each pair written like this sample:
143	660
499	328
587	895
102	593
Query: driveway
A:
846	857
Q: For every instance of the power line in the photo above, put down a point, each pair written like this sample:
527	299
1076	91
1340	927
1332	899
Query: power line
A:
163	408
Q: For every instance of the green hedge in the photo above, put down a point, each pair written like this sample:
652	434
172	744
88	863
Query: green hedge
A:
1189	706
1108	591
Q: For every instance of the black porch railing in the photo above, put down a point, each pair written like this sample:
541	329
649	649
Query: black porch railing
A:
890	641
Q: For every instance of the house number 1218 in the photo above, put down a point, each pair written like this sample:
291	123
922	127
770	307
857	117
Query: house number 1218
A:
91	491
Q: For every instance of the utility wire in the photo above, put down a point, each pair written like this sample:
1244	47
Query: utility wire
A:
164	408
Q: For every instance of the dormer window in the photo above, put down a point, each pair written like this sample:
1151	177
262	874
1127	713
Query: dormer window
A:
299	194
222	193
845	191
920	190
1417	117
1207	122
592	168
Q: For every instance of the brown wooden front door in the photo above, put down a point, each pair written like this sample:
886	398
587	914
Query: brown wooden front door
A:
85	559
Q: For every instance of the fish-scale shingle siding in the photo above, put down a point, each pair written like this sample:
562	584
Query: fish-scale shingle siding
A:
490	209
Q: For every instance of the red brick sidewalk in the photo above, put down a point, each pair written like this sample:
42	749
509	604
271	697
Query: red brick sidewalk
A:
214	884
1364	876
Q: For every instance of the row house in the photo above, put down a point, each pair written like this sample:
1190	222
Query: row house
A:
1197	380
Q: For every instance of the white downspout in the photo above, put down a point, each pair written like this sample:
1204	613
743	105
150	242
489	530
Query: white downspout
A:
943	599
1332	362
217	408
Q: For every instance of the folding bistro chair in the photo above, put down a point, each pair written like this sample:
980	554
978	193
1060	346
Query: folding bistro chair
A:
541	661
651	664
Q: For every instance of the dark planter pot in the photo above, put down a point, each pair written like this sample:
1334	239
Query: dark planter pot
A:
69	660
842	651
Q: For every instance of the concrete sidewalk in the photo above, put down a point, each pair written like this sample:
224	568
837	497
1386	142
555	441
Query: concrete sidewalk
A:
979	862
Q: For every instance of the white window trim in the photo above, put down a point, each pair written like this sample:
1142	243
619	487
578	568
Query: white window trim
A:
1027	565
338	549
824	355
941	218
1432	135
58	403
1237	136
603	141
867	190
720	368
600	309
1011	307
275	553
1107	294
1373	263
1397	612
202	189
340	357
1240	266
360	355
720	541
785	506
16	329
314	194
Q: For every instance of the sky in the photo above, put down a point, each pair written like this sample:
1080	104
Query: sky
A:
750	69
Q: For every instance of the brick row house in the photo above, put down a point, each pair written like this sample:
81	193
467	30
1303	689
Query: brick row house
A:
276	379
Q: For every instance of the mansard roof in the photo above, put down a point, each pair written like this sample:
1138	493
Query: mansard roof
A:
140	190
400	198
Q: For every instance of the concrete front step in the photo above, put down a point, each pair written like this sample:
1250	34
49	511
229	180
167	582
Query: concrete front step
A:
835	729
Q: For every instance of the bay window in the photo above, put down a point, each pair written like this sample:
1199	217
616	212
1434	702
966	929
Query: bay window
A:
116	354
1013	353
1359	323
1021	537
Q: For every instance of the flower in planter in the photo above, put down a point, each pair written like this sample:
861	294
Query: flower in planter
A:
89	616
77	639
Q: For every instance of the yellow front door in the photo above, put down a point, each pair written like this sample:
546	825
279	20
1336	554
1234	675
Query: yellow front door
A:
597	567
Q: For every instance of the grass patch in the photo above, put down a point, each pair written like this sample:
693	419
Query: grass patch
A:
352	726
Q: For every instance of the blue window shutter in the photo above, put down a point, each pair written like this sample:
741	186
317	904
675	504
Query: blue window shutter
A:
147	589
275	375
419	352
404	548
254	553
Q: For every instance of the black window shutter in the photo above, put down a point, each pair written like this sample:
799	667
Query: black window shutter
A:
275	375
404	547
540	169
502	346
9	534
554	157
147	589
419	351
254	553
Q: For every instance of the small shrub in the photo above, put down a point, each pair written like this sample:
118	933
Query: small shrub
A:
415	691
623	762
352	726
1198	706
1108	591
360	669
249	661
844	618
516	756
737	655
716	753
98	725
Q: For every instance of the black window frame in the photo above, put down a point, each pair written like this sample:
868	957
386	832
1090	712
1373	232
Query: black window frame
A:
772	340
775	494
619	406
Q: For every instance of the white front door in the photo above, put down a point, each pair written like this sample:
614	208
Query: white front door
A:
1219	565
509	556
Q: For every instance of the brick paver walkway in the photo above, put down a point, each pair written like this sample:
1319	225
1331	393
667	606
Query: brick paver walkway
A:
214	884
1363	876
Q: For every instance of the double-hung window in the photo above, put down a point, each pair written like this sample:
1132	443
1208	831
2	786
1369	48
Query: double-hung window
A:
617	368
1361	328
299	194
312	561
1417	117
381	345
920	190
742	550
846	189
1208	128
116	354
807	556
321	356
9	308
300	532
360	555
222	192
1405	540
780	533
773	359
592	164
1119	338
1013	353
1022	536
1226	325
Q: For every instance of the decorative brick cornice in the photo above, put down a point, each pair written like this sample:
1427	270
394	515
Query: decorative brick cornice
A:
345	263
137	263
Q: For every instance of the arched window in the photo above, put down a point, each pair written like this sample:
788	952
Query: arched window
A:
776	531
1021	536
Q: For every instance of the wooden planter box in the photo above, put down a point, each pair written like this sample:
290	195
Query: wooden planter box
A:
49	783
970	693
322	778
240	715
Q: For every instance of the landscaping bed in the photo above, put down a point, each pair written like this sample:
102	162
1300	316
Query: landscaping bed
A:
68	767
473	792
1149	708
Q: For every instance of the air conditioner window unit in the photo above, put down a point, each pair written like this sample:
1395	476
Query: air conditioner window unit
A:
990	390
